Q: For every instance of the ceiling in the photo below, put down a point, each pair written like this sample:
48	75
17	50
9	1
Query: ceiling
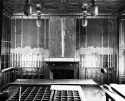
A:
66	6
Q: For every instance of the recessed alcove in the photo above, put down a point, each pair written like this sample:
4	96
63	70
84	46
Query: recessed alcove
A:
62	74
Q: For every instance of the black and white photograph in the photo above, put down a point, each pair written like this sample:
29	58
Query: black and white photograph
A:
62	50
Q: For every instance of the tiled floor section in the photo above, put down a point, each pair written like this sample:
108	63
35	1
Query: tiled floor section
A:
94	93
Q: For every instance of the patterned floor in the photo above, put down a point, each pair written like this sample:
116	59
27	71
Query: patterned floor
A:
38	93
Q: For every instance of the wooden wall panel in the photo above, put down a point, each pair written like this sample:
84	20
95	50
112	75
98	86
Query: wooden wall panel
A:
122	49
111	34
5	41
94	32
69	41
97	49
46	46
95	43
30	33
105	33
28	43
27	33
55	38
59	26
41	33
77	33
18	27
82	33
5	76
13	33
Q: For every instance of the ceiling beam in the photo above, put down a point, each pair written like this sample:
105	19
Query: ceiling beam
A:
47	16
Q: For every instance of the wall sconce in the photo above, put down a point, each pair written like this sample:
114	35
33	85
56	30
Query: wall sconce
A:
93	12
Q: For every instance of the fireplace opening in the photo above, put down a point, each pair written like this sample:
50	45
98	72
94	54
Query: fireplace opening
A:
62	74
61	70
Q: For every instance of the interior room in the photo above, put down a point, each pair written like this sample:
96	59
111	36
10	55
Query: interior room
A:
62	49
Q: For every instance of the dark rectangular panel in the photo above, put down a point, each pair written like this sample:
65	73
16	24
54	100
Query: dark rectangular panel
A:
18	26
13	33
69	38
30	33
105	33
77	34
94	31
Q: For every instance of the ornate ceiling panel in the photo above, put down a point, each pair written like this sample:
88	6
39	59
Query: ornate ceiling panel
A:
66	6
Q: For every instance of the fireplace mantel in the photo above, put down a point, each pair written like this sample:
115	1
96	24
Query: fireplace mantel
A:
62	59
61	67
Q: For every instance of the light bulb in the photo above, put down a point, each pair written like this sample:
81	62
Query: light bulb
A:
38	7
84	21
38	22
84	7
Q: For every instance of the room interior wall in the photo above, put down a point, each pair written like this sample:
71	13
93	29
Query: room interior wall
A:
94	45
98	45
121	69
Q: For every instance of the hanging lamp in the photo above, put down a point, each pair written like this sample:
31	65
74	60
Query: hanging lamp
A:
38	20
94	9
27	8
84	19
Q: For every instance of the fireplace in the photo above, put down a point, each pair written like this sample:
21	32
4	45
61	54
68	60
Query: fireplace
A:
61	74
62	70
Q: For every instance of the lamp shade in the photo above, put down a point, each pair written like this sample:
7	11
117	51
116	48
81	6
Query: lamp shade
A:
84	21
38	7
27	9
38	22
94	10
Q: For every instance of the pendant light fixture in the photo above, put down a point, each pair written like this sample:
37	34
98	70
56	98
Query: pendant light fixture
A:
38	20
94	9
93	12
84	19
28	8
28	11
